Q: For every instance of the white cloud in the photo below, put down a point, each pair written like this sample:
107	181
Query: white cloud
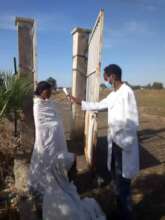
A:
131	27
45	21
151	5
136	27
151	8
147	5
126	31
52	22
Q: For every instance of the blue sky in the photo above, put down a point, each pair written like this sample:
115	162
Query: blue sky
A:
134	35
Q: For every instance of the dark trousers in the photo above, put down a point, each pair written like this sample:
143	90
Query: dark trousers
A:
121	185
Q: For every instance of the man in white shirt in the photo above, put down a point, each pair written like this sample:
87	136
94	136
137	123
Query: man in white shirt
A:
123	122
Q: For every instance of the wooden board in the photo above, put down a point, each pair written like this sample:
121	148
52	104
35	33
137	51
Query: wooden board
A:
92	86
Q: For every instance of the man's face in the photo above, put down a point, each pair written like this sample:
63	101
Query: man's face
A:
105	77
109	79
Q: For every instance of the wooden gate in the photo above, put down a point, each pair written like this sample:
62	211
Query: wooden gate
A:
92	86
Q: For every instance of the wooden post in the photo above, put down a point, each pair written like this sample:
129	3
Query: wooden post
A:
27	47
27	69
79	65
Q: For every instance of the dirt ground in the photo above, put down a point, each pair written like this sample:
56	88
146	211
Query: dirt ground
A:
148	191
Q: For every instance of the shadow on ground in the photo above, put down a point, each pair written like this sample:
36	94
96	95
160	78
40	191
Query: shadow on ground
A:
146	134
146	138
151	191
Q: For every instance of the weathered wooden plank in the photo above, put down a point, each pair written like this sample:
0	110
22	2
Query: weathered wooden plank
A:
92	85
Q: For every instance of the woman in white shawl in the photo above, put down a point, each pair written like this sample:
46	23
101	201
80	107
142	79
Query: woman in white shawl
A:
61	200
49	136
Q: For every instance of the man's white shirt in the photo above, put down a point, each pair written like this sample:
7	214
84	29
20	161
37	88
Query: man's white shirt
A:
123	124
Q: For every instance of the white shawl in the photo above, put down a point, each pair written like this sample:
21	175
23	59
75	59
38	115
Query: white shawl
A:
49	140
61	200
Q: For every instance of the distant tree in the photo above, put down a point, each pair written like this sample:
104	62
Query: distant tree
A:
52	82
132	86
127	83
136	87
157	85
148	86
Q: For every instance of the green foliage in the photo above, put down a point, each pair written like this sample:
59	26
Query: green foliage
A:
148	86
157	85
136	87
13	92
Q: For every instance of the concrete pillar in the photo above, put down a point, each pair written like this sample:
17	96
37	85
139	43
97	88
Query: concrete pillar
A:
27	47
27	69
79	69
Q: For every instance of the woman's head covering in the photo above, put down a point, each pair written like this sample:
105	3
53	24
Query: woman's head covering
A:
41	86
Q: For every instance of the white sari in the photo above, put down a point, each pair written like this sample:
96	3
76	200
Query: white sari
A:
61	200
49	141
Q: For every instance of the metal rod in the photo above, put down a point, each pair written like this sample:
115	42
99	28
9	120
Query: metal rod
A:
15	65
15	113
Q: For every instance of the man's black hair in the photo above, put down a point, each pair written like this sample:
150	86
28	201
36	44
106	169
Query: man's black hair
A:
41	86
113	69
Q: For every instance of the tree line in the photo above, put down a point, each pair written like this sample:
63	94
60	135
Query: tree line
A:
154	85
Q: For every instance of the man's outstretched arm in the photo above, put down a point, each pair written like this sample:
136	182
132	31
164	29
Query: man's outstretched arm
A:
90	106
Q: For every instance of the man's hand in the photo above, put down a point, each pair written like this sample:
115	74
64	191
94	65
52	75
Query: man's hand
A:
75	100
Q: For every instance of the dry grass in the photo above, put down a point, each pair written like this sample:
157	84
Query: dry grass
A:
152	101
149	101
